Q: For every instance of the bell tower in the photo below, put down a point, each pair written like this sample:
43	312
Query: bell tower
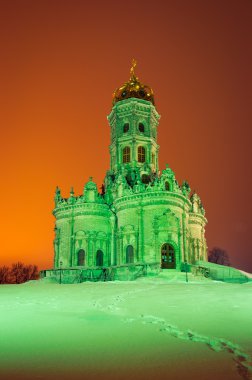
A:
133	121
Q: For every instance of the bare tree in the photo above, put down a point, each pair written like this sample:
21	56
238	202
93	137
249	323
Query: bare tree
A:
218	256
20	273
30	272
4	275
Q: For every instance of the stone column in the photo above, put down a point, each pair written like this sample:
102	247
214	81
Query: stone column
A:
195	253
113	247
149	152
73	251
108	250
136	259
181	248
118	156
141	232
198	249
204	255
95	250
89	250
71	226
118	247
134	153
205	250
157	253
56	255
184	256
121	253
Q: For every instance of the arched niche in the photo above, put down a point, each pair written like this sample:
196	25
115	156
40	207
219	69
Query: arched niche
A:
99	258
81	257
129	254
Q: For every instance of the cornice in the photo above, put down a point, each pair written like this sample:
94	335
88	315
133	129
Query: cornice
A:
148	198
82	209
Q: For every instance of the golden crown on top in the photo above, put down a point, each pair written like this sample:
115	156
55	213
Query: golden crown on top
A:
133	88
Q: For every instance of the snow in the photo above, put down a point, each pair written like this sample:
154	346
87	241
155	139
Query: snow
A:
152	328
249	275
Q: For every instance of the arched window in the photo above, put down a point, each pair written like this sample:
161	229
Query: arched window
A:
168	257
129	254
99	258
126	128
126	154
167	186
141	154
81	257
141	127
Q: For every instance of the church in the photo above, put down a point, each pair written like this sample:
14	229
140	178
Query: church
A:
142	219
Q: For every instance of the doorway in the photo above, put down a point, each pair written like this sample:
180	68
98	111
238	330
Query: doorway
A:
167	257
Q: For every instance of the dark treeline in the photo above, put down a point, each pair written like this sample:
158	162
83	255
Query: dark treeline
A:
219	256
18	273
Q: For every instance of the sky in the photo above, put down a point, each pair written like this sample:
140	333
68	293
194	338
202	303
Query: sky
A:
60	62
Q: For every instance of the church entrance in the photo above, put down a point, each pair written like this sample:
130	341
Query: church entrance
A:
167	257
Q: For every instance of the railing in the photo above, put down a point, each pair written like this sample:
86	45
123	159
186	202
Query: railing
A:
120	272
219	272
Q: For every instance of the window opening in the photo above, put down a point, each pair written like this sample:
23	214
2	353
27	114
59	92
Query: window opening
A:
126	128
126	154
141	154
141	127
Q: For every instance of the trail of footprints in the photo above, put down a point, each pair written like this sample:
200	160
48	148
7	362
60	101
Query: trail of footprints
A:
114	305
242	360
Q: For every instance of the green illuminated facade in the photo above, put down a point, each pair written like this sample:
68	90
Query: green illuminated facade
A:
142	215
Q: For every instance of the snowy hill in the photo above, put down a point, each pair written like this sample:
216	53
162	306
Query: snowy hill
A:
152	328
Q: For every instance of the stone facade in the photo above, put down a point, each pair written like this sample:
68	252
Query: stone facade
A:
141	216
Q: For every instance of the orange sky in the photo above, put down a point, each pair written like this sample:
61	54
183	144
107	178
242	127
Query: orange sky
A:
61	61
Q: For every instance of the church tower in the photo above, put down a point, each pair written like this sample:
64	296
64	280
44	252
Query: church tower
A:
133	122
142	220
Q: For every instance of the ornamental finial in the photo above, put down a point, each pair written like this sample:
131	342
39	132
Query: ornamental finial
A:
132	70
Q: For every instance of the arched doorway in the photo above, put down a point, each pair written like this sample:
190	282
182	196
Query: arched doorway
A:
129	254
81	257
167	257
99	258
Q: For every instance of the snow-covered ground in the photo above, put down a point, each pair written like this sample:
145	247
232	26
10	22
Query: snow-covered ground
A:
152	328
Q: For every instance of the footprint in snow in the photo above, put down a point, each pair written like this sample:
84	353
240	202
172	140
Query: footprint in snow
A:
242	360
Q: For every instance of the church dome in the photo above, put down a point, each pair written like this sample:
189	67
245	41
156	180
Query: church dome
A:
133	89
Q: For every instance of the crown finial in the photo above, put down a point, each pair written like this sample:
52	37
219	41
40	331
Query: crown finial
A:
132	70
133	88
